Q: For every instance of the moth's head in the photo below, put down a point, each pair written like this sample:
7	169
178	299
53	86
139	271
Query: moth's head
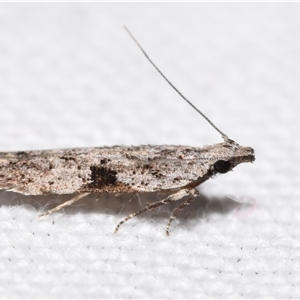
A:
229	154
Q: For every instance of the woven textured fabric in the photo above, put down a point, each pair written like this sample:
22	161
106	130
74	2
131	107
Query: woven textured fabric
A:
70	76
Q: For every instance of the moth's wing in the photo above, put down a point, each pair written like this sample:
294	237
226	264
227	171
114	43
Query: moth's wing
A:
105	169
63	171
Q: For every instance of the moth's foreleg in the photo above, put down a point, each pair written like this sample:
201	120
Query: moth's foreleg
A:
132	196
174	197
193	194
65	204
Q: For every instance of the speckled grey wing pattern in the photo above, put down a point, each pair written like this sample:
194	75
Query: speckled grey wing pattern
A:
105	169
116	169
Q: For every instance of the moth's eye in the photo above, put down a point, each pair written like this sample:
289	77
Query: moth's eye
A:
222	166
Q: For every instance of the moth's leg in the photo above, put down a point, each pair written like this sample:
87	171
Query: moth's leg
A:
174	197
194	193
98	197
65	204
132	196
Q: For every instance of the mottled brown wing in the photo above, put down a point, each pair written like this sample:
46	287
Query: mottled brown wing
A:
105	169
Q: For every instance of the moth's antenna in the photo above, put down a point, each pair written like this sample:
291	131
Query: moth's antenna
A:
224	136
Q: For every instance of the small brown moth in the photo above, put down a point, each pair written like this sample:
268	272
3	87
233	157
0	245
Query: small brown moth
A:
174	171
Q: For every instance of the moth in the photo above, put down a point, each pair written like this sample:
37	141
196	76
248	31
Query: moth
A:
174	171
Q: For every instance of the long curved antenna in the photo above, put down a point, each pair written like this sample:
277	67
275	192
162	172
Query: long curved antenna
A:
224	136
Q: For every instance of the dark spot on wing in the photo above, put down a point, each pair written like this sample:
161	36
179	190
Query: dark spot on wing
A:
104	161
68	158
101	177
104	179
22	153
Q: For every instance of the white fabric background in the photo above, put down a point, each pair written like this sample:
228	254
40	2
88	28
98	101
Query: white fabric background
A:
70	76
